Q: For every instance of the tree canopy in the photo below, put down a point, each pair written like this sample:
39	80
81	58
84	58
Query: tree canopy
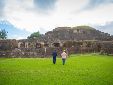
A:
3	34
34	35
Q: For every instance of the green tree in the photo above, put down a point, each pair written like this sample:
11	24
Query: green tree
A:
3	34
34	35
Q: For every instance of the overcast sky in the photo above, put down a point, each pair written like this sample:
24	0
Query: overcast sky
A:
45	15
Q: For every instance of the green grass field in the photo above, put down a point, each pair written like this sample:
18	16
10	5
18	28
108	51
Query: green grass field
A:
87	69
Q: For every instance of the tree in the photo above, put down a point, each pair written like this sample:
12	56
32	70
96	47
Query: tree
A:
3	34
34	35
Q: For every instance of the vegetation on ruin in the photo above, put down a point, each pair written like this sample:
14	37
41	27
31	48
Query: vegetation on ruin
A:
80	69
34	35
84	27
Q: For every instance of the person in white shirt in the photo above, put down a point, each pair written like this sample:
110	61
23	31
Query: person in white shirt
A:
64	56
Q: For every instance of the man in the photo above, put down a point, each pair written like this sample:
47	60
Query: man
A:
64	56
54	54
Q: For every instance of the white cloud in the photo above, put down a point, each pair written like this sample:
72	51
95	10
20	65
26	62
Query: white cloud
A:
100	15
24	15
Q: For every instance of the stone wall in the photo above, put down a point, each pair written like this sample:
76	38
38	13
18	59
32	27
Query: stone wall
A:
72	47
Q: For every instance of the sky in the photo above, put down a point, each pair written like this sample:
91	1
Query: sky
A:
45	15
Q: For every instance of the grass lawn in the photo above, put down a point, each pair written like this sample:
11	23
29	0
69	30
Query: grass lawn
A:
87	69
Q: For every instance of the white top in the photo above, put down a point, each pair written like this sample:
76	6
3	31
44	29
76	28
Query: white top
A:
64	55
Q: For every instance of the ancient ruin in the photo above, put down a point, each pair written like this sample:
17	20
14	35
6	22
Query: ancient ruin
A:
80	39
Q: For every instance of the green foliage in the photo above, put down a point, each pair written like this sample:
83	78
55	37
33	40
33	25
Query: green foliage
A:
84	27
34	35
87	69
3	34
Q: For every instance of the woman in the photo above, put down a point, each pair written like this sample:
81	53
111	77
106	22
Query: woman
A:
64	56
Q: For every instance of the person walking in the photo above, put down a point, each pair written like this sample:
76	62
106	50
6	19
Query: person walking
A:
54	54
64	56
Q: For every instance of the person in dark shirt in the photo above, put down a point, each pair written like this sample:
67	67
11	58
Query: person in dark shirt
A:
54	54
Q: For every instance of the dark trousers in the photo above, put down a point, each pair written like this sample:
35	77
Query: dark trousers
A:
63	61
54	60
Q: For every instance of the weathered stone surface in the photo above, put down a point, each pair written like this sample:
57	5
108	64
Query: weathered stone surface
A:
76	33
81	39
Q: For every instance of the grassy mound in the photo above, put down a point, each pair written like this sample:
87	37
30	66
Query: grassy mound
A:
84	27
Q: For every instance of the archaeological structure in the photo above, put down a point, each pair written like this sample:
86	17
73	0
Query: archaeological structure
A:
80	39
